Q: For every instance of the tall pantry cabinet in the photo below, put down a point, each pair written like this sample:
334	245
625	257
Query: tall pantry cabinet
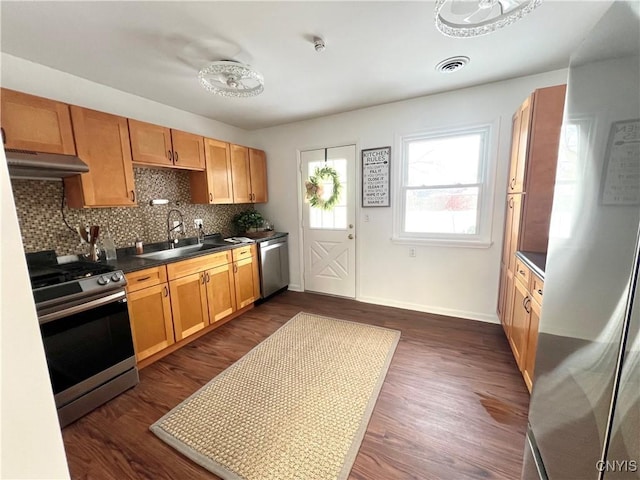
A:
534	152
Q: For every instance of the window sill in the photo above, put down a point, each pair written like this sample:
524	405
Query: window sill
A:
441	242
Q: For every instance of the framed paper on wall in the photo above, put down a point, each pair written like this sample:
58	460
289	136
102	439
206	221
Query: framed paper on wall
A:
376	163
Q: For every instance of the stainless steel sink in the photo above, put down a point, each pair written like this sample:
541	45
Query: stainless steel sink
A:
179	251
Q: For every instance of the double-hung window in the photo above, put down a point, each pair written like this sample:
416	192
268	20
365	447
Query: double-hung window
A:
445	193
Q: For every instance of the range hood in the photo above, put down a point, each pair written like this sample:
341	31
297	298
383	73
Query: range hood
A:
26	164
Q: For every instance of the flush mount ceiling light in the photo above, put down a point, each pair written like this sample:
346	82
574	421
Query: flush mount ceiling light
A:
472	18
231	79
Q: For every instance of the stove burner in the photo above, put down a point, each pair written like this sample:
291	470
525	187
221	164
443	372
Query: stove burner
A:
46	271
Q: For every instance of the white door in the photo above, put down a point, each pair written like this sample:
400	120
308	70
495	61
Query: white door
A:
329	235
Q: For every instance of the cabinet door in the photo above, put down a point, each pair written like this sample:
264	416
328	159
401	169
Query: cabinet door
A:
244	282
35	123
102	141
514	230
151	322
523	145
508	303
150	144
258	169
520	323
189	304
188	150
221	292
214	185
532	344
240	174
513	164
502	290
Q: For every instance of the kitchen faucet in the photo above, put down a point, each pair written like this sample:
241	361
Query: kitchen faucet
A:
179	227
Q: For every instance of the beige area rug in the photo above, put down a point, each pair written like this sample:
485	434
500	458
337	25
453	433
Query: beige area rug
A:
294	407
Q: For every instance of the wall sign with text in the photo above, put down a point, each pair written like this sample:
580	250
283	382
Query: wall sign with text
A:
376	164
621	183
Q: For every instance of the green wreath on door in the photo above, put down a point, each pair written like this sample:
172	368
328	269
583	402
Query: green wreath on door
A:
315	189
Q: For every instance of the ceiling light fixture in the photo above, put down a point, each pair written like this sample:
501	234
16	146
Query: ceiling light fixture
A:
465	18
319	44
231	79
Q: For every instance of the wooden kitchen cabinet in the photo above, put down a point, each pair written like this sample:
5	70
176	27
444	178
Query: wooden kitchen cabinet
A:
246	275
221	292
249	175
214	185
149	311
534	150
154	145
532	343
102	142
34	123
520	322
189	304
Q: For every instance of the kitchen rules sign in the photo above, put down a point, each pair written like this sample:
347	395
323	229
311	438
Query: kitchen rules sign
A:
375	177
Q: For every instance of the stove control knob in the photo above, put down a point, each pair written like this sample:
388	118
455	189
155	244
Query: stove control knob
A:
116	277
103	280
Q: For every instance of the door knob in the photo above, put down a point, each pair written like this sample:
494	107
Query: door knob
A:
351	225
350	236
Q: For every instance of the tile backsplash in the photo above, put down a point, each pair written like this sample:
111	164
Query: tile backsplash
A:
38	204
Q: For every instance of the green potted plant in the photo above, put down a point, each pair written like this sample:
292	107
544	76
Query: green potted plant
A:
247	220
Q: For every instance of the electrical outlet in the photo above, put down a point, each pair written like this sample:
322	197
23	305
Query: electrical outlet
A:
412	252
198	223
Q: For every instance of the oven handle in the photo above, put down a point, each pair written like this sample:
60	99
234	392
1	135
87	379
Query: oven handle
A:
114	297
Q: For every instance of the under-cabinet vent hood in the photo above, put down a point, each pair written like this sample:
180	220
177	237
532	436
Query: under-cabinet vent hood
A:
26	164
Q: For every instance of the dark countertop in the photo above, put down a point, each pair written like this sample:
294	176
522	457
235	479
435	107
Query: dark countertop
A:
266	236
127	261
535	261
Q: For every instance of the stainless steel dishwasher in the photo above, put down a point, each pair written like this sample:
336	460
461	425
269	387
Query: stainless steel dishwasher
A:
274	265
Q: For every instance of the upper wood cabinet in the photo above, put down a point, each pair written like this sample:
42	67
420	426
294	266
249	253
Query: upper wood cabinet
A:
102	141
249	175
214	185
155	145
35	123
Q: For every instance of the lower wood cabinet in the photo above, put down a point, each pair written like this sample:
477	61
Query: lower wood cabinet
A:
189	304
167	304
149	311
521	316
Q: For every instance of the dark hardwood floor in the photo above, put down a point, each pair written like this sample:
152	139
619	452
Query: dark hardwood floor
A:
453	405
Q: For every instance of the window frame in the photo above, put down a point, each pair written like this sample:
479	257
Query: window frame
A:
485	183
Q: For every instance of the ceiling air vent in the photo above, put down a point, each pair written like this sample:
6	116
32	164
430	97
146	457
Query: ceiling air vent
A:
452	64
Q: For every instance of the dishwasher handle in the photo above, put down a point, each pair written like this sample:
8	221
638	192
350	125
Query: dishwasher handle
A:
272	243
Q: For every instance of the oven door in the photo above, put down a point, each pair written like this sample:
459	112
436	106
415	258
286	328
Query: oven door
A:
87	344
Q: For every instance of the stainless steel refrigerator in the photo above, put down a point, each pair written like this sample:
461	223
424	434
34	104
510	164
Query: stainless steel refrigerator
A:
584	417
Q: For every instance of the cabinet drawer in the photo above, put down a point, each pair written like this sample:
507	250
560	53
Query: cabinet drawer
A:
522	272
146	278
537	287
244	252
199	264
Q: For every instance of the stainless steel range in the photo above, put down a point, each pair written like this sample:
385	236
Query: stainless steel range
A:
84	321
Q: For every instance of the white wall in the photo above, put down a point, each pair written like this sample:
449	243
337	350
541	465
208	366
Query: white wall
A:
30	443
25	76
444	280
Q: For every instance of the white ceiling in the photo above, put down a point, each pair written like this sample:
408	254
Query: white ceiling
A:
377	52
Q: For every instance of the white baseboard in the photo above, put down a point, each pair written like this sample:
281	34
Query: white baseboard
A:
449	312
295	288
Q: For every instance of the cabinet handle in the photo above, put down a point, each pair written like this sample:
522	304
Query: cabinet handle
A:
525	302
133	196
511	201
235	268
521	272
170	156
175	156
166	291
539	291
4	136
143	279
512	183
208	277
202	278
210	197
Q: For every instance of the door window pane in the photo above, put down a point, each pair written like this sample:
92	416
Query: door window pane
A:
335	219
